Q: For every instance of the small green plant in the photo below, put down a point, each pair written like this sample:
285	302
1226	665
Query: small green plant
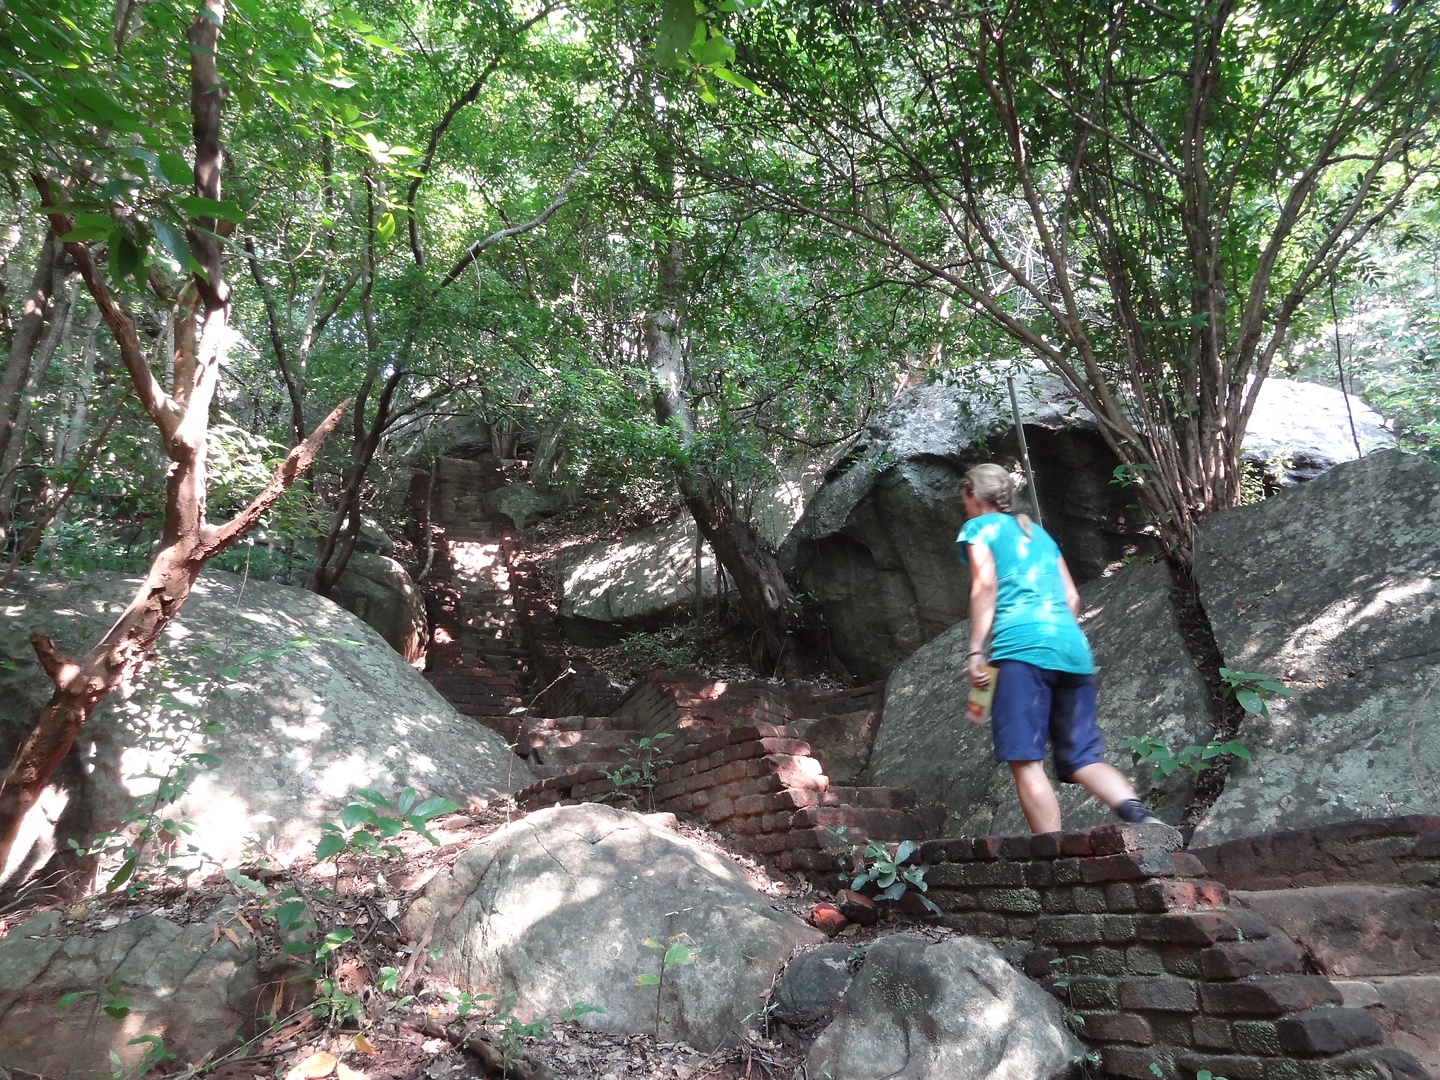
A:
639	772
334	1007
885	866
1127	475
673	953
1147	750
1250	689
372	818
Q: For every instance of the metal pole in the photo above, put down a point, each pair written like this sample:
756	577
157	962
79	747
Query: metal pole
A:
1024	451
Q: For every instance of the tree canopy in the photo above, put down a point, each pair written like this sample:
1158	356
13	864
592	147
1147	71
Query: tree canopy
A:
671	246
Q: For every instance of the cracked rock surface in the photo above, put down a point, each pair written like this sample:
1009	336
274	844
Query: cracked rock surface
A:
559	906
1333	587
197	986
952	1009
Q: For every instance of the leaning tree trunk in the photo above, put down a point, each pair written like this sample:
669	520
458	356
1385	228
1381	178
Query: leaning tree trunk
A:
187	539
750	561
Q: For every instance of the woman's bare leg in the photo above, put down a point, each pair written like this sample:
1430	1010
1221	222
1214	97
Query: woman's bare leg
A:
1037	797
1105	782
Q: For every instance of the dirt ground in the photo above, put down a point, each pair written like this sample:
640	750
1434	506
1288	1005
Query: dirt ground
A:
380	1013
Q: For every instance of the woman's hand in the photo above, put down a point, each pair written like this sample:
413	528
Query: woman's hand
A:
975	670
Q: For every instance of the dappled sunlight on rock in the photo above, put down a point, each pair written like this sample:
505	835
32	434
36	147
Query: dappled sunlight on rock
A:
1333	587
316	706
560	905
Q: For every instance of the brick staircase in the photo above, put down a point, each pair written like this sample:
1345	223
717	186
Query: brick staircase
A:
478	659
735	757
734	760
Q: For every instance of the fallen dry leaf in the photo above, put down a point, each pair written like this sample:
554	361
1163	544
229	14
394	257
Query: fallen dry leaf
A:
234	937
364	1045
313	1067
345	1072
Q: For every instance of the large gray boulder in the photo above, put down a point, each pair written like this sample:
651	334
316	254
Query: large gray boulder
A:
876	545
948	1010
1300	430
648	576
378	590
1145	679
615	585
1334	587
558	907
320	706
195	987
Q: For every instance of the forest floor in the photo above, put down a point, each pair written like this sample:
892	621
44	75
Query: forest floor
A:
419	1027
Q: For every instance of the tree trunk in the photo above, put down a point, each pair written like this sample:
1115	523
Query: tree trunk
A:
33	317
182	417
750	561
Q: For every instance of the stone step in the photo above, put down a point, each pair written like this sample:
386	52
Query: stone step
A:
880	798
1356	931
542	724
583	753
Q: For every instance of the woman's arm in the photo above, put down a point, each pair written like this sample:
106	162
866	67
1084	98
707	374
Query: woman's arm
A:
982	610
1072	594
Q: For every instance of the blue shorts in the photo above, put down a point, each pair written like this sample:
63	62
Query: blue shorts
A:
1032	703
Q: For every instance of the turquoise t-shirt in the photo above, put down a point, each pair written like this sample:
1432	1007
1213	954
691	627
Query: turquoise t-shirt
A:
1032	621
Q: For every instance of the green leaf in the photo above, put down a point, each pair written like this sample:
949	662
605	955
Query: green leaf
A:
1250	701
651	943
736	79
373	797
85	233
330	844
66	1000
385	227
171	240
126	871
647	980
904	850
199	207
678	23
406	800
249	884
712	52
433	808
357	814
288	915
176	170
127	261
680	954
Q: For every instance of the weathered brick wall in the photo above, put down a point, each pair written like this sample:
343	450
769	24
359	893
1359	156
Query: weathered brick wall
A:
759	785
1154	966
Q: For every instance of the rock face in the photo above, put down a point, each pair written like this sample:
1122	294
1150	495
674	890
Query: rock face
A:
296	729
648	576
1300	430
616	585
876	546
379	591
195	987
813	985
1357	931
953	1010
1335	587
559	905
1146	683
